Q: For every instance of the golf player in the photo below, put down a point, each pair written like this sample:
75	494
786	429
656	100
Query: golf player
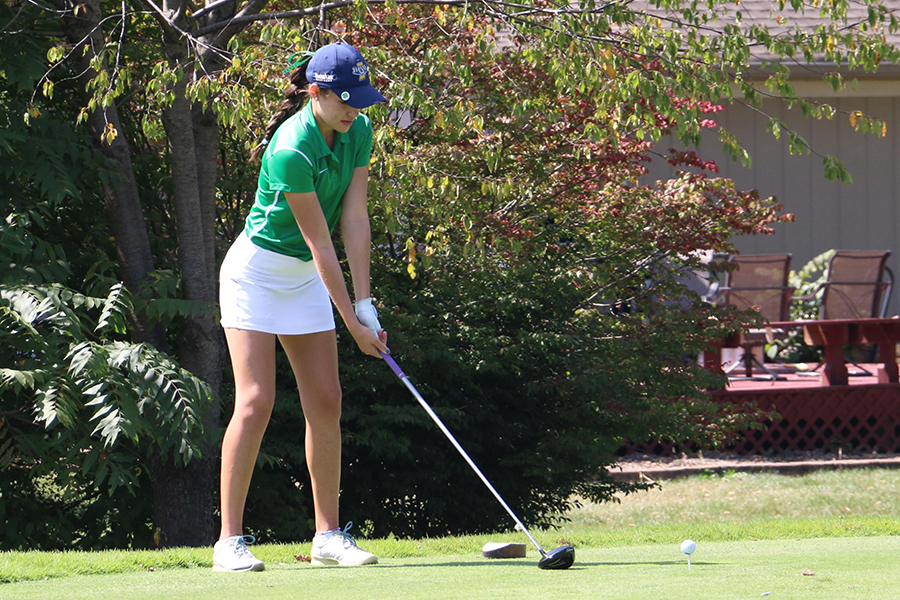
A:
279	280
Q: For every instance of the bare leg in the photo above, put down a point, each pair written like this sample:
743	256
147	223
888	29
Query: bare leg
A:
253	362
314	361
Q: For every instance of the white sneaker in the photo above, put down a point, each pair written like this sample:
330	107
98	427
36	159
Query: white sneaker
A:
337	547
232	555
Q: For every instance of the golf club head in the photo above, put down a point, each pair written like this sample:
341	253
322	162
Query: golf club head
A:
561	558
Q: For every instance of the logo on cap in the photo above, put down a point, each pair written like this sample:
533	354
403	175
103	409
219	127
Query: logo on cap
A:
345	95
360	69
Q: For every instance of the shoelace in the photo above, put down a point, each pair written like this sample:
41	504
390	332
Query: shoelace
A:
240	544
346	536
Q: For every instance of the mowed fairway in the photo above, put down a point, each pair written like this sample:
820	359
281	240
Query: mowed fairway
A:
866	567
824	535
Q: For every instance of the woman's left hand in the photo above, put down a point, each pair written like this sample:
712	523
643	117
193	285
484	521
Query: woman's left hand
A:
368	315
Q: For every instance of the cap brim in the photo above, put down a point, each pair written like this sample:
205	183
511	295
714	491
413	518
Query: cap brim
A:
360	97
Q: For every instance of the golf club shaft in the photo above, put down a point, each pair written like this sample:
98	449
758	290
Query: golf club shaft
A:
396	369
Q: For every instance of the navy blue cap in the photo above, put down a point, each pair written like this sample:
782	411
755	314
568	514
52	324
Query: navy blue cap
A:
341	68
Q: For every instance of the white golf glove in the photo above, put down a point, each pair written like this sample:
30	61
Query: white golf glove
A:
367	315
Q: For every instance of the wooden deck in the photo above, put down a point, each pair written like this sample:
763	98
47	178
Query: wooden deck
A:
863	415
800	379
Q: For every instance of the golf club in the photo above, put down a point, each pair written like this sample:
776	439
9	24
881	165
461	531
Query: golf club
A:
560	558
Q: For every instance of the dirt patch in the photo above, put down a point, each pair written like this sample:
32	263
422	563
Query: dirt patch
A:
643	467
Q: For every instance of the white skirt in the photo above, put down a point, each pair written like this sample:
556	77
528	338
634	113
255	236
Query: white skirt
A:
261	290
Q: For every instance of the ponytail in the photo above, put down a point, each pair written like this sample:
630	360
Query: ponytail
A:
294	98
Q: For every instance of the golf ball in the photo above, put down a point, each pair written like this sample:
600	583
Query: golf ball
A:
688	546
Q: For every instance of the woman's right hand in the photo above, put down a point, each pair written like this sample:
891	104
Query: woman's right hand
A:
369	342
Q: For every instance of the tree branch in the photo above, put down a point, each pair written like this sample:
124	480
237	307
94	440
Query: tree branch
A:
232	26
165	22
209	8
244	17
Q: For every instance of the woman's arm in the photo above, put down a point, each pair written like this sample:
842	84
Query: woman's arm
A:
308	213
357	236
356	233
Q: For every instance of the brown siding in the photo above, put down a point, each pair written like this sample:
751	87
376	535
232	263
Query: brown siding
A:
860	215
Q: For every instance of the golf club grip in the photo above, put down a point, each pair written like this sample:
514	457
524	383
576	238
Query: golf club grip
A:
437	420
392	364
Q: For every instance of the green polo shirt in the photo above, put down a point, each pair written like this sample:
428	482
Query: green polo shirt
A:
298	160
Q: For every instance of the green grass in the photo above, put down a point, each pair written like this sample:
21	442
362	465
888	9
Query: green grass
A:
810	568
755	533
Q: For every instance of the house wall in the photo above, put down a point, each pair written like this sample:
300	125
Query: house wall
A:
860	215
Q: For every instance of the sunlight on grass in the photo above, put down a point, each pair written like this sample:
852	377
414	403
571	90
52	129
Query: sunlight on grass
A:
738	497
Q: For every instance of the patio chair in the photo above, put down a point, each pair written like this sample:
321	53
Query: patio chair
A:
758	282
857	285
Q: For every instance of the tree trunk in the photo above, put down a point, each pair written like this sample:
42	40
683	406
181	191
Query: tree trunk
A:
184	497
186	500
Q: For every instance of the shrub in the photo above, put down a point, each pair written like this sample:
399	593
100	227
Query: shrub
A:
531	289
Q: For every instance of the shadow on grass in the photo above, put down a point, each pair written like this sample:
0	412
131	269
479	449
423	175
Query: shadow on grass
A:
658	563
451	564
577	566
